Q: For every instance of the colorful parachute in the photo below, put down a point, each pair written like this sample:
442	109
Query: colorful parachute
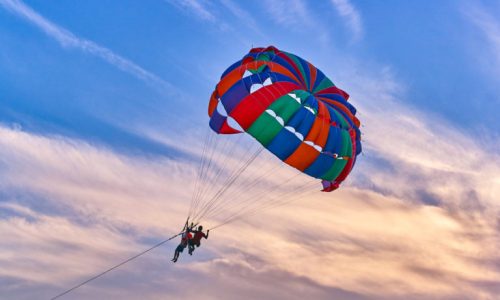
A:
293	110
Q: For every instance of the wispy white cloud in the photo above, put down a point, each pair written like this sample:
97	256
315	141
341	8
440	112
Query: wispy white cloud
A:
196	7
242	15
296	16
290	13
65	243
351	16
90	176
207	13
488	25
67	39
416	155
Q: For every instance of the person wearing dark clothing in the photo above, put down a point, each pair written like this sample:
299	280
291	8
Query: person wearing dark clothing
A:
186	237
195	241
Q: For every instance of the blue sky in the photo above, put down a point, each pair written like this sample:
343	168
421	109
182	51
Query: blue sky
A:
441	55
102	104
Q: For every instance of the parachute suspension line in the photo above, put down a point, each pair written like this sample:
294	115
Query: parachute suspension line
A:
205	194
228	184
235	188
204	172
258	210
261	198
307	188
198	176
237	203
251	168
114	267
201	171
255	200
217	180
231	177
277	201
217	153
216	200
239	190
213	205
206	178
215	209
212	212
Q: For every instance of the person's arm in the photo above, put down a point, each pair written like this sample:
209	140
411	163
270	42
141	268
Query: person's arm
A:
206	236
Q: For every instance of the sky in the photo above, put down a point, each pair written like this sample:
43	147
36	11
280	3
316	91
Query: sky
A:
102	121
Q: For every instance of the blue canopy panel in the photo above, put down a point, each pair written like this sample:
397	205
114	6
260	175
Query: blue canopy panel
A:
334	140
320	166
284	144
301	121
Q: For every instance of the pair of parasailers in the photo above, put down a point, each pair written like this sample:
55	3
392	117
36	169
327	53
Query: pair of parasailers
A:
189	240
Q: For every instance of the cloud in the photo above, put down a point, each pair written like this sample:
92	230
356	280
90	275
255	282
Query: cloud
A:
205	12
196	7
297	14
351	16
61	241
379	223
69	209
243	16
414	150
69	40
417	219
488	25
71	172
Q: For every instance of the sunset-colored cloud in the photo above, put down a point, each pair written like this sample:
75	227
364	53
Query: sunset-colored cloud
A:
95	168
406	223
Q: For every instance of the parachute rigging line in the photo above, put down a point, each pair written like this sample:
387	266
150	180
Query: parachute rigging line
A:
216	181
259	196
214	201
247	186
226	186
264	206
211	181
202	162
114	267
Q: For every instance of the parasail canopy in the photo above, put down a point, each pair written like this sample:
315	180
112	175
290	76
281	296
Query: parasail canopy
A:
292	109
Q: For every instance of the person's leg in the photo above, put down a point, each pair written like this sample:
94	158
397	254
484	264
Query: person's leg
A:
197	245
178	250
190	247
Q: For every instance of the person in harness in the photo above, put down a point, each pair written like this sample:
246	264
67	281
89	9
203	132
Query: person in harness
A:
195	241
186	237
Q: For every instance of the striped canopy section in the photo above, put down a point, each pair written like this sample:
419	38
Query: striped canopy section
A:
292	109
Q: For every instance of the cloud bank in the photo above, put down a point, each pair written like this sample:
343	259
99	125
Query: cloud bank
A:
418	219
